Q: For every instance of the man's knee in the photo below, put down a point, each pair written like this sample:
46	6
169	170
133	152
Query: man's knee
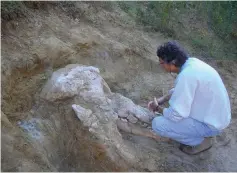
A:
158	124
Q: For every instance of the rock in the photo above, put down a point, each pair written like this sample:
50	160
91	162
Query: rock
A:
132	119
123	113
125	107
143	114
76	80
123	125
85	83
84	115
97	107
105	132
124	120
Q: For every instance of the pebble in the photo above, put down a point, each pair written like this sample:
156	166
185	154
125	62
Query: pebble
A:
132	119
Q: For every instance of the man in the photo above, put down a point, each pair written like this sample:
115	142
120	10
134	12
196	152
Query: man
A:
199	107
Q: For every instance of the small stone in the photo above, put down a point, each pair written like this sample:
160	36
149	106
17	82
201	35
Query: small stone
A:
144	125
108	101
124	120
94	125
132	119
122	113
91	130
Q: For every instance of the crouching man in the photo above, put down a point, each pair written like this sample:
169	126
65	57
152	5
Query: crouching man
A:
199	107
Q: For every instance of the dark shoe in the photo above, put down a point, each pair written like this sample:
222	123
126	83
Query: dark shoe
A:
192	150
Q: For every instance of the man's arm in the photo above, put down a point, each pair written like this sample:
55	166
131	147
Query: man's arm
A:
155	105
165	98
181	100
180	104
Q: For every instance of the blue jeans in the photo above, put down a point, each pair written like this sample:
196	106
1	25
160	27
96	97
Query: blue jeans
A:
187	131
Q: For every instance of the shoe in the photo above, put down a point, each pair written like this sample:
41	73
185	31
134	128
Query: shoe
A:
192	150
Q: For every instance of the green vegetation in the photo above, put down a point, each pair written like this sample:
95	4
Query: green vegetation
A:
221	16
11	9
208	26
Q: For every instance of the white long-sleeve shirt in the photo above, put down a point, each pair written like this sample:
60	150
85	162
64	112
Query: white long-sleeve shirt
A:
199	93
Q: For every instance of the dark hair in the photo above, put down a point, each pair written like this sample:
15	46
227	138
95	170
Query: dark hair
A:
171	52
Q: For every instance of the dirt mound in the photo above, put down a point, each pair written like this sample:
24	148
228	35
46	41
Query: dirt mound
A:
44	133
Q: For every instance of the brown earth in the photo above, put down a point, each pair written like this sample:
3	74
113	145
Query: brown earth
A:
35	46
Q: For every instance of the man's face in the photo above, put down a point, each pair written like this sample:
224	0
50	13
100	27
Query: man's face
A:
168	67
164	65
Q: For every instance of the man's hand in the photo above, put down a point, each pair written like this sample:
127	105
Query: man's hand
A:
154	106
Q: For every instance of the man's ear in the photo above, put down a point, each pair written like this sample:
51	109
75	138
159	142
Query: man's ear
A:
173	62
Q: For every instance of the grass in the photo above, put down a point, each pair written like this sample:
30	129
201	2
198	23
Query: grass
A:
169	18
11	9
216	36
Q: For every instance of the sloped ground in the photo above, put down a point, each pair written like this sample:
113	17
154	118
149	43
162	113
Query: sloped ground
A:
34	47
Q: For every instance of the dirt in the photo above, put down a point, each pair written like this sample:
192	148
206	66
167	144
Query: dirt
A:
35	46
